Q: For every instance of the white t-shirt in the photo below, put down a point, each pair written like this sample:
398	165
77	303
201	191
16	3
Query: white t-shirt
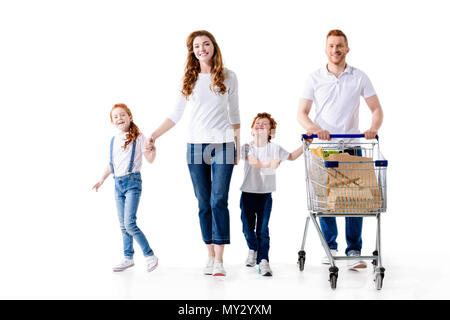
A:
121	158
337	99
261	180
212	113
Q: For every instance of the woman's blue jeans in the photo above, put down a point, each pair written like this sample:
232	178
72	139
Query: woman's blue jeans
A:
210	167
128	193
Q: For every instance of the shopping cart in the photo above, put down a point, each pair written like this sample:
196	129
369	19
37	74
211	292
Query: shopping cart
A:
353	186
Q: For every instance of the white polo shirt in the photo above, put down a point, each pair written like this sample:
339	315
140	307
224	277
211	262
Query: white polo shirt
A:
337	99
212	113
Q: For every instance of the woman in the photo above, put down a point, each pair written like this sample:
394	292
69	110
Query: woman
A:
213	139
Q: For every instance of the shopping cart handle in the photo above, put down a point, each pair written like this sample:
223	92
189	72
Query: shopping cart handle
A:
335	136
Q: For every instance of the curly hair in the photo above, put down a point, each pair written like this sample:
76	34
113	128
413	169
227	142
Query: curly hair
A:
192	67
273	123
133	131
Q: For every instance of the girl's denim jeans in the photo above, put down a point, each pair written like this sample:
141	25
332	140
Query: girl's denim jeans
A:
128	193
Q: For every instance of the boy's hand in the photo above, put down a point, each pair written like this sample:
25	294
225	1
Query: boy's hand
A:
275	163
97	185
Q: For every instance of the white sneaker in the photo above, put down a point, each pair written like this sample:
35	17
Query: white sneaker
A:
264	268
123	265
218	269
152	262
355	264
208	269
325	259
251	259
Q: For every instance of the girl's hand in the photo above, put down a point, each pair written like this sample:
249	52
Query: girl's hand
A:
275	163
150	144
97	185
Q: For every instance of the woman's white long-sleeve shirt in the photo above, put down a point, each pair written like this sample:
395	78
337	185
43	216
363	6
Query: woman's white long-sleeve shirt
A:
212	113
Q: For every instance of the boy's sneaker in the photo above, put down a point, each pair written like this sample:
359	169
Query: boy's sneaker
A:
208	269
218	269
123	265
251	259
355	264
264	268
152	262
325	259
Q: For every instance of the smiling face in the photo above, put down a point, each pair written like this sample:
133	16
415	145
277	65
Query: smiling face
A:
336	49
121	119
203	49
262	127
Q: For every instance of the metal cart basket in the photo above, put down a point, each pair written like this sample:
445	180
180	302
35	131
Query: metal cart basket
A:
341	185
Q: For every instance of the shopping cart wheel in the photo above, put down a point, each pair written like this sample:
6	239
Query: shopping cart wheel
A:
375	261
301	259
379	276
333	277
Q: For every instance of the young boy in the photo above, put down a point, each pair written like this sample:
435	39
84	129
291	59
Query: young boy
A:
262	157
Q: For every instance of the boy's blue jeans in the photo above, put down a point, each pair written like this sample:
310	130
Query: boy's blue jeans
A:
255	212
128	193
353	225
210	167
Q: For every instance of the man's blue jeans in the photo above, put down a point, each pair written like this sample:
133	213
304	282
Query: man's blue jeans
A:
210	167
353	225
255	213
128	193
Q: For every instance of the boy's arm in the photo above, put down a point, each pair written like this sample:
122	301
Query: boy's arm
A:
295	154
255	163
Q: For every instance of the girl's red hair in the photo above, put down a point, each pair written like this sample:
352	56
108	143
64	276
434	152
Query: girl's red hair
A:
192	67
133	131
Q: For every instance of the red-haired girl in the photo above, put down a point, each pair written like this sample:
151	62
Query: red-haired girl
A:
126	150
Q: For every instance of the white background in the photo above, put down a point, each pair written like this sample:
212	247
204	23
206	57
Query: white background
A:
64	64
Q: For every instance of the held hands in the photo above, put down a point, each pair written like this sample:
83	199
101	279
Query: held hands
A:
150	144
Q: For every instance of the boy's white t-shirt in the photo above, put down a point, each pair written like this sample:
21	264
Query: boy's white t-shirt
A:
261	180
121	158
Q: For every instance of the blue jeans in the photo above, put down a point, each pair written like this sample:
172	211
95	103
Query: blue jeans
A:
353	225
255	212
128	193
210	167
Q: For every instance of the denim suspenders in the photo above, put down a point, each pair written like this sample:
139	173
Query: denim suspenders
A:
130	168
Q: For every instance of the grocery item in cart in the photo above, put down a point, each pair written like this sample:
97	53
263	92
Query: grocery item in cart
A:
352	186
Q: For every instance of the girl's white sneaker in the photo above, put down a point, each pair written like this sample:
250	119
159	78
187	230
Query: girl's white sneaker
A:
152	262
123	265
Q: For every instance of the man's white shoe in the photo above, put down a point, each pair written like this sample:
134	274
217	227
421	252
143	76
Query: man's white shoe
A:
123	265
325	259
355	264
251	259
264	268
208	269
152	262
218	269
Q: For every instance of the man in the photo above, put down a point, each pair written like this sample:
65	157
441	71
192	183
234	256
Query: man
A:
335	90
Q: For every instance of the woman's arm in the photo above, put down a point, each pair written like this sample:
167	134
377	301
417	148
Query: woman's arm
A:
237	141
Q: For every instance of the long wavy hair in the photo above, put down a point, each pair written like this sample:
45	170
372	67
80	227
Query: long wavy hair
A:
133	132
192	68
